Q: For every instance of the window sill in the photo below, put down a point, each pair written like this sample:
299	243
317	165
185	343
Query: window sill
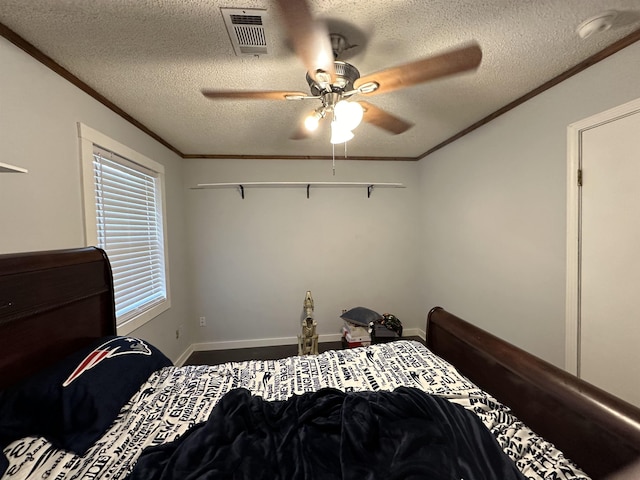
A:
139	320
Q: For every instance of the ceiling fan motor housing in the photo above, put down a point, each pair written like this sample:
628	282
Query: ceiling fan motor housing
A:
346	74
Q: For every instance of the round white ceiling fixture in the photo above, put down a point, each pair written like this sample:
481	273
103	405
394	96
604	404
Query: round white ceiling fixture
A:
597	24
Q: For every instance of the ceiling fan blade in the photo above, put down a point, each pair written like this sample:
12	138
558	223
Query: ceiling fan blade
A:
382	119
430	68
310	38
250	95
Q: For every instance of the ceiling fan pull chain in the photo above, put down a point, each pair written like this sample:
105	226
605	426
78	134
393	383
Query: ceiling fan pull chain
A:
333	156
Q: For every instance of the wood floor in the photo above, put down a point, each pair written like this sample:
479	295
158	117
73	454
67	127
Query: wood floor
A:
215	357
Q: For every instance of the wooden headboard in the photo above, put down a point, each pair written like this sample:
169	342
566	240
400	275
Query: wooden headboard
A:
51	304
598	431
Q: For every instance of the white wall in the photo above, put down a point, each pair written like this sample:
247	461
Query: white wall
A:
252	260
42	210
494	210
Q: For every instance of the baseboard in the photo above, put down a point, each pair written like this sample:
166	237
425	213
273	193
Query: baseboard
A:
270	342
259	342
185	355
416	332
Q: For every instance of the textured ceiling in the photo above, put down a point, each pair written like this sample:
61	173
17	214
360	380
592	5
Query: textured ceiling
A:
151	58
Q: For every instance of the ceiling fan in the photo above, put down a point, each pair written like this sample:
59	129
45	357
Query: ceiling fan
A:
334	82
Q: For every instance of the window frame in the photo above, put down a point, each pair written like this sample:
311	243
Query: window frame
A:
88	139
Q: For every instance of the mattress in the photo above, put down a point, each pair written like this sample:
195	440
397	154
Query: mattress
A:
174	399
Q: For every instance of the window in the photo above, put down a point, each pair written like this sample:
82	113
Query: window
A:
124	213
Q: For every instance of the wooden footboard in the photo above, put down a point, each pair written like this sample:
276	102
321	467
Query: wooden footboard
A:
598	431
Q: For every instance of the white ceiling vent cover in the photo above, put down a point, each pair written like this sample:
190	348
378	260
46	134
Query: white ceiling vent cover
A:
245	27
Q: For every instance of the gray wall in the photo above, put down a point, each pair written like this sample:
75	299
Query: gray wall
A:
42	210
252	260
494	210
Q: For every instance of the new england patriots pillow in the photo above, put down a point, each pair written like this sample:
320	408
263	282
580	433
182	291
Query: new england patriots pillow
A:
74	402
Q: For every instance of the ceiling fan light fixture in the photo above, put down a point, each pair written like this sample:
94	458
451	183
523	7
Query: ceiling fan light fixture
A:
340	134
348	114
311	121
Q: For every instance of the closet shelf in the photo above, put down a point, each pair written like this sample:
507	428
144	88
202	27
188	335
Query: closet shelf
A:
242	185
6	168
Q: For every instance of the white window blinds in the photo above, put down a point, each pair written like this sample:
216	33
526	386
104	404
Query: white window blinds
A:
130	230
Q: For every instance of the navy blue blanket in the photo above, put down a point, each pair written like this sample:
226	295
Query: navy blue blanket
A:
329	434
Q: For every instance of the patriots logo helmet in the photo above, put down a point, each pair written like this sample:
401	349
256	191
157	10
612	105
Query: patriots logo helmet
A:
110	349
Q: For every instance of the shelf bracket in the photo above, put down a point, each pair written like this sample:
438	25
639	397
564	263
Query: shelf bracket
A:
308	188
241	191
369	190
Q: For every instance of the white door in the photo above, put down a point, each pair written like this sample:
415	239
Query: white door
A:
609	254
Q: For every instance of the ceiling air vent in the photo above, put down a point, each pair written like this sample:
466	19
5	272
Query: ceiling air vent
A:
246	30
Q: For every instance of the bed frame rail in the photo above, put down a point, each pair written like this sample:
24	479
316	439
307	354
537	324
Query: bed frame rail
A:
597	430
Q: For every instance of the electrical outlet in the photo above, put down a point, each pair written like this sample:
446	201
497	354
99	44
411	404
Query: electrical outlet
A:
203	322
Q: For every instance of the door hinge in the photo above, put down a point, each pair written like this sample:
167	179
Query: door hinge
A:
579	177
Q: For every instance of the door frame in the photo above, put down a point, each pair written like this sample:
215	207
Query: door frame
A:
574	218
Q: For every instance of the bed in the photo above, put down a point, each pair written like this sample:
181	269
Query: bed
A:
57	303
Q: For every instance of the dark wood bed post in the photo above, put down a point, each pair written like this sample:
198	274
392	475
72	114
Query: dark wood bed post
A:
598	431
51	304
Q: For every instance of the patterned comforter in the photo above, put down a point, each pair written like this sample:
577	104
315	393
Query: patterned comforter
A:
175	399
